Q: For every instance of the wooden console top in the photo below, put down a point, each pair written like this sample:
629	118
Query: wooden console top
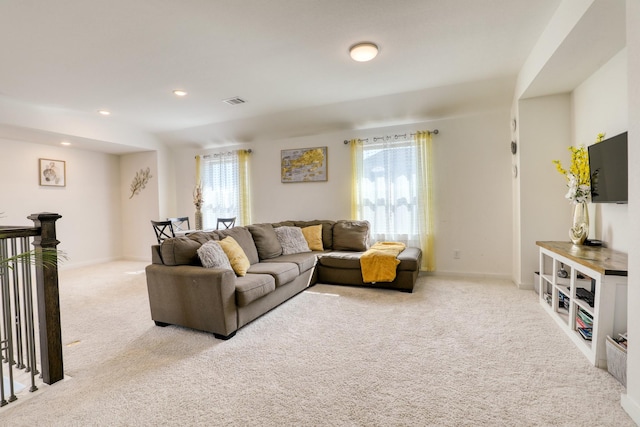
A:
603	260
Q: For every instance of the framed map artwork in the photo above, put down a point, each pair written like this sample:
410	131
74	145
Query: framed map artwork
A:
303	165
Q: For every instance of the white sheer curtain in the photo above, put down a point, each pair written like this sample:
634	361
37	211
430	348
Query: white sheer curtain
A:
391	190
224	187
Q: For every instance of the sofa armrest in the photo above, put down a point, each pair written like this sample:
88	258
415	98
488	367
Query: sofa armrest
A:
194	297
156	257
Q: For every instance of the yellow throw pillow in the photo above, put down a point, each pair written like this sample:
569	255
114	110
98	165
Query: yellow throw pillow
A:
313	236
238	259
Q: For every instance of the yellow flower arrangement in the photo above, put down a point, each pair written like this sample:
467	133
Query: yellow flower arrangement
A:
578	176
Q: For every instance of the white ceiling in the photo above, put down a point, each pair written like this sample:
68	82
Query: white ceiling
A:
287	58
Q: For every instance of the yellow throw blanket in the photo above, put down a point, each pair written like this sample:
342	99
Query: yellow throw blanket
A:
378	264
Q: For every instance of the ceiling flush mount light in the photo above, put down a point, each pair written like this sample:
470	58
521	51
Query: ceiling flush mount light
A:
104	112
179	92
65	143
363	52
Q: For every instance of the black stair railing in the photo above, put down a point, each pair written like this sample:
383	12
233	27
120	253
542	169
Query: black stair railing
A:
24	250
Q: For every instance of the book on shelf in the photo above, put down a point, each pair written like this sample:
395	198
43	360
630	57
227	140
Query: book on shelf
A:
586	333
581	323
588	320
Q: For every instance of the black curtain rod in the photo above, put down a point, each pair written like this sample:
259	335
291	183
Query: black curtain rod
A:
395	137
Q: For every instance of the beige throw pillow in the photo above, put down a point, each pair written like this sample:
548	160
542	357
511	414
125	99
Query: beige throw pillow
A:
313	236
237	258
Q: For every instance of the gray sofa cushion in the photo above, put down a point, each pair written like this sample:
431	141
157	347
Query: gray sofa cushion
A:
266	241
180	251
244	239
409	260
345	260
284	224
253	286
351	235
305	260
282	272
203	236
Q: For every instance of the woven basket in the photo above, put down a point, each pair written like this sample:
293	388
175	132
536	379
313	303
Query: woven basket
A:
617	360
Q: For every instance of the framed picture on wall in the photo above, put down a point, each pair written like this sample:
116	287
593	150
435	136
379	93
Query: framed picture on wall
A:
53	173
303	164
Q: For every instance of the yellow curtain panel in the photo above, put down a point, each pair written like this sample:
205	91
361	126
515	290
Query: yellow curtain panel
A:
356	172
423	141
244	179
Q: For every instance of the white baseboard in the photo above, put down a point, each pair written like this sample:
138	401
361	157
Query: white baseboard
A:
72	265
631	407
472	275
136	258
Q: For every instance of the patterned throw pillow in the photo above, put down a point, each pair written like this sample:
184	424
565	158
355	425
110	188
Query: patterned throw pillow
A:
212	256
292	240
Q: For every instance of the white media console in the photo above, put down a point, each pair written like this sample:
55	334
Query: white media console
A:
568	272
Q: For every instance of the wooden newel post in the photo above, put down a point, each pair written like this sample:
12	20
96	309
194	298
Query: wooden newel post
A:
48	298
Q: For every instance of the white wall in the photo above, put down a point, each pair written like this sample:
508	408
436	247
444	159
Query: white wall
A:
136	232
600	104
185	181
551	123
631	401
544	135
89	204
472	174
472	178
276	201
562	23
100	222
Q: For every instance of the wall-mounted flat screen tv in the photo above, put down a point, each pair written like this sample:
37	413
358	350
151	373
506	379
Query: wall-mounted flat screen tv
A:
609	170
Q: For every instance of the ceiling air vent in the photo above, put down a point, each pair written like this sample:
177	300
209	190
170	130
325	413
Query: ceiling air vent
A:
234	101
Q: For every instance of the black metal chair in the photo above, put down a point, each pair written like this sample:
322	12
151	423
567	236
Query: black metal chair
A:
163	230
180	223
226	222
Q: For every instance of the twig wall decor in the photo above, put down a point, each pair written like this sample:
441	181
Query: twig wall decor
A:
140	181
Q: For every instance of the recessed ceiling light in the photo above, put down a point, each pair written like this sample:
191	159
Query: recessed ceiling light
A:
363	52
179	92
104	112
65	143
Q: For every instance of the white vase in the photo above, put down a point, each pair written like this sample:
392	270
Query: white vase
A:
580	225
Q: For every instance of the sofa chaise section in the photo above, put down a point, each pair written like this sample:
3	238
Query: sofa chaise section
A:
343	268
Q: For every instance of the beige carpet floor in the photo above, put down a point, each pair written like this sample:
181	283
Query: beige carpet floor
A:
456	352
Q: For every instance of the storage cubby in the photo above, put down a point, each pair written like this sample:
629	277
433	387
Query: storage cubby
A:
584	289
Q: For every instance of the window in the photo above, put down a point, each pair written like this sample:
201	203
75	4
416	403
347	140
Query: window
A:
225	188
391	190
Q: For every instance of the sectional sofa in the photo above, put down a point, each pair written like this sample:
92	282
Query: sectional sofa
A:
190	284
